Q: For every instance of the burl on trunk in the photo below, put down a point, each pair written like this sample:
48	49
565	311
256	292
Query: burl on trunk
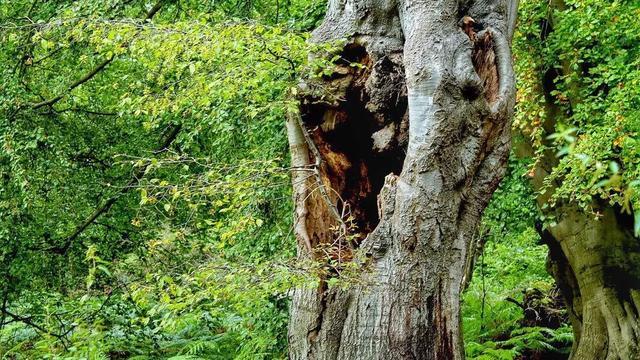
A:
397	158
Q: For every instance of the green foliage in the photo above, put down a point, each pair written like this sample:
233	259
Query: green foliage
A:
589	58
521	340
513	260
189	256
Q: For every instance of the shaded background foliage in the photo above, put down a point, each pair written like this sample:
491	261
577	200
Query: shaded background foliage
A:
179	260
178	144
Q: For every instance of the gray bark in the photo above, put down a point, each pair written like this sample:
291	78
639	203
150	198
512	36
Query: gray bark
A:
398	160
596	264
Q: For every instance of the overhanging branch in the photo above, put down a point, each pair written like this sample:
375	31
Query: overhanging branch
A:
154	10
81	81
68	241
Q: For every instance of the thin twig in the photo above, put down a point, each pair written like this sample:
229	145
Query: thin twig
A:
94	71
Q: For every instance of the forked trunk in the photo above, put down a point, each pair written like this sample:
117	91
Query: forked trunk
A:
396	160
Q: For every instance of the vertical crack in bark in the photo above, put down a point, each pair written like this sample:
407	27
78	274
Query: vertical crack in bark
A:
484	60
444	345
322	292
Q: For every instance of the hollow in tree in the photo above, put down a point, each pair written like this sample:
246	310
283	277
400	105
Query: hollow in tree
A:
397	158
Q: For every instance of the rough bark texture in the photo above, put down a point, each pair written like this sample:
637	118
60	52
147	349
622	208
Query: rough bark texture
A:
397	159
597	266
594	260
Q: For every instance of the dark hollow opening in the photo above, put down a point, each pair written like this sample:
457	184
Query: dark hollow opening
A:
362	136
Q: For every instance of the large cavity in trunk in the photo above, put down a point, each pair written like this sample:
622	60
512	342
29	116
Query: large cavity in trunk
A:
357	118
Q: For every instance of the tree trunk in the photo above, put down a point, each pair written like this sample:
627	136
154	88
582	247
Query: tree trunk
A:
595	259
597	266
396	160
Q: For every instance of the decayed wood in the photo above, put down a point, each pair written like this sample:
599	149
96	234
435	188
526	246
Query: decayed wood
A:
408	150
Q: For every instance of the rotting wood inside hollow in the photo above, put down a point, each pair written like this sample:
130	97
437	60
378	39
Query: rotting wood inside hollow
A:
360	131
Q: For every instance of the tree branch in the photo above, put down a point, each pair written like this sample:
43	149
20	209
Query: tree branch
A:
81	81
87	111
95	70
28	321
514	301
170	137
152	12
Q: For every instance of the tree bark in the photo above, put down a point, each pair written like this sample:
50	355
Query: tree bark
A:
396	160
596	264
595	260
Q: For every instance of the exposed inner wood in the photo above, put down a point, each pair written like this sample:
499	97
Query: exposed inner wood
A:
404	303
484	61
360	130
483	58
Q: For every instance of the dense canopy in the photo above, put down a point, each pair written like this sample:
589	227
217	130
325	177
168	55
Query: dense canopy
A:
145	188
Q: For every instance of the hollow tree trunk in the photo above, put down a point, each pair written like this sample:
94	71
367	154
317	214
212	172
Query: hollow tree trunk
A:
397	159
595	261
